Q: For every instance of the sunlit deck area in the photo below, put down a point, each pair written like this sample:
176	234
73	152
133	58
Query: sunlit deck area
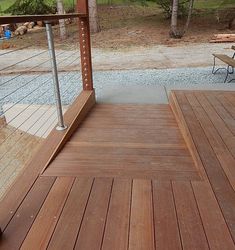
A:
130	176
111	176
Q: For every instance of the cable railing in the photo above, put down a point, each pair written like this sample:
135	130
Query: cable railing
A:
37	86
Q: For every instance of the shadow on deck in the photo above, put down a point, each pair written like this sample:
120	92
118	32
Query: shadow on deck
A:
130	177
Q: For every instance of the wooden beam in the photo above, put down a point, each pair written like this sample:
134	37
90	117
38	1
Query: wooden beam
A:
82	6
85	45
34	18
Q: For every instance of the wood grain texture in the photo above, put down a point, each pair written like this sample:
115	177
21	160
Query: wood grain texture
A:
117	226
218	234
219	123
141	221
44	225
93	224
215	172
71	217
124	149
190	224
34	18
15	232
162	203
165	220
222	152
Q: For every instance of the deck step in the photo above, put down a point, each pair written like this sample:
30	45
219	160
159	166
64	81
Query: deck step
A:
207	123
180	118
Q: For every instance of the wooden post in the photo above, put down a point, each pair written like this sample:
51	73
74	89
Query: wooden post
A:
85	45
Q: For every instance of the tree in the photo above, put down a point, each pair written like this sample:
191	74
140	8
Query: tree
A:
176	9
60	10
175	32
30	7
93	14
190	11
174	20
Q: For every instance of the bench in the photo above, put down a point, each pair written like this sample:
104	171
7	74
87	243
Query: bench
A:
230	61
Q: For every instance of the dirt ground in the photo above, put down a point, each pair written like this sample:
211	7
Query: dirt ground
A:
129	26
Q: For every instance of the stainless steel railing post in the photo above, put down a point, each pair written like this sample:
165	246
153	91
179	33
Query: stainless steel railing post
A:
51	48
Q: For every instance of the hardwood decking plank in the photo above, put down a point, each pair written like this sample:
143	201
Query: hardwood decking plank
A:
127	173
93	224
117	225
71	216
138	145
191	228
24	217
226	103
26	179
215	226
218	180
141	221
45	222
218	122
228	120
165	221
114	150
133	135
166	163
120	151
222	153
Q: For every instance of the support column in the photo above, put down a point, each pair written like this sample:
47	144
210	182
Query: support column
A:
85	45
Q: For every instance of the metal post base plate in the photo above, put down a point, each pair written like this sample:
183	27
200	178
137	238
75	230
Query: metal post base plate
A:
59	128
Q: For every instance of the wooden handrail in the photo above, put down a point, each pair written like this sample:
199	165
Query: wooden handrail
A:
35	18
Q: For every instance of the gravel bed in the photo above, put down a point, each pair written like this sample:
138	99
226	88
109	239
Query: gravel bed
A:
38	88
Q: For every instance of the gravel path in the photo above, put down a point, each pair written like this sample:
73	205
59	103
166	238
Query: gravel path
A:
38	88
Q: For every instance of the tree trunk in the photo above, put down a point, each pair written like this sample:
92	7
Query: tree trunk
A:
93	14
190	11
174	19
60	10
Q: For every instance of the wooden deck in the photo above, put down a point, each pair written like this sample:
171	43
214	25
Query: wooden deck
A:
128	179
136	141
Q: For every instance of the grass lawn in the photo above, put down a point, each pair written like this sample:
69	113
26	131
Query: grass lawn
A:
214	4
4	4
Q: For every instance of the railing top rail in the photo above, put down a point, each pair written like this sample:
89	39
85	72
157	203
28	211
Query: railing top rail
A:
35	18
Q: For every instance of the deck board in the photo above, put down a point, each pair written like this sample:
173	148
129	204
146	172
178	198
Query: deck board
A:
116	235
26	214
190	224
72	215
218	232
45	222
93	224
141	218
158	199
128	148
167	235
216	174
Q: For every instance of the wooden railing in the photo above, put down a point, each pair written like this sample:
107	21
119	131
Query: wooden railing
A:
84	35
35	18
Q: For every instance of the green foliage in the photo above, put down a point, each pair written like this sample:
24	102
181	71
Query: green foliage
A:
166	5
30	7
